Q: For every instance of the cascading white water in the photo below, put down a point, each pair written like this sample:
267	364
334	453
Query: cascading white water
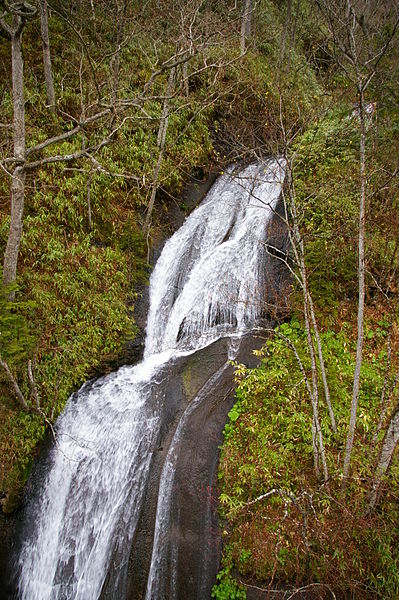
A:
208	283
208	280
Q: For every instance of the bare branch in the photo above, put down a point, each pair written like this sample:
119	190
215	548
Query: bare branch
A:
99	167
14	384
68	134
21	8
54	159
85	48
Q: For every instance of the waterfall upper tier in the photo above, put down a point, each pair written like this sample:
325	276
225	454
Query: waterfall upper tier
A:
209	280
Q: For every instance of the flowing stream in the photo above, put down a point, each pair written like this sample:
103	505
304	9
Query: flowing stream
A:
207	284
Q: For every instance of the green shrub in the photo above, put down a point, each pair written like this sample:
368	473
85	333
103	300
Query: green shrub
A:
293	529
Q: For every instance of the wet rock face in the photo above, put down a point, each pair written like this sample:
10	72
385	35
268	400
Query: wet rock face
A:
193	519
193	537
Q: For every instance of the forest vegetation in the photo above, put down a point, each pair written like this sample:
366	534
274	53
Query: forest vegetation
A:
115	108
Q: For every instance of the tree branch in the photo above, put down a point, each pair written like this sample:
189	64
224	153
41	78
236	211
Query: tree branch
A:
68	134
14	384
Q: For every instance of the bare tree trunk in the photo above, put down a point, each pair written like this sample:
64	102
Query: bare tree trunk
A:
48	73
162	131
384	460
185	79
33	387
89	212
120	28
18	177
298	248
15	231
385	392
322	365
316	454
384	406
299	254
246	23
361	284
315	390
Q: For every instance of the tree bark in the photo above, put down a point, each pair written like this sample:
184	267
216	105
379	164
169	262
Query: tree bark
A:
322	364
14	384
18	176
384	460
162	131
361	284
15	231
48	73
120	28
246	23
315	390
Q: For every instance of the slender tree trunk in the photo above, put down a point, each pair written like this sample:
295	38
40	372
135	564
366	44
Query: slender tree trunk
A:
322	364
361	284
298	248
246	23
384	407
185	79
48	73
385	393
15	231
315	390
89	212
389	445
18	177
299	254
120	28
162	131
316	454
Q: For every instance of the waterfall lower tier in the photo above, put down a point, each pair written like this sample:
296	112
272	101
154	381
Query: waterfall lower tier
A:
176	551
124	504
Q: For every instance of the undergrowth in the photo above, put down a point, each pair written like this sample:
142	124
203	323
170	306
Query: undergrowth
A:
286	527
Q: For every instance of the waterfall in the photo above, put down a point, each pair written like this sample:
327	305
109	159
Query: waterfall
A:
207	284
